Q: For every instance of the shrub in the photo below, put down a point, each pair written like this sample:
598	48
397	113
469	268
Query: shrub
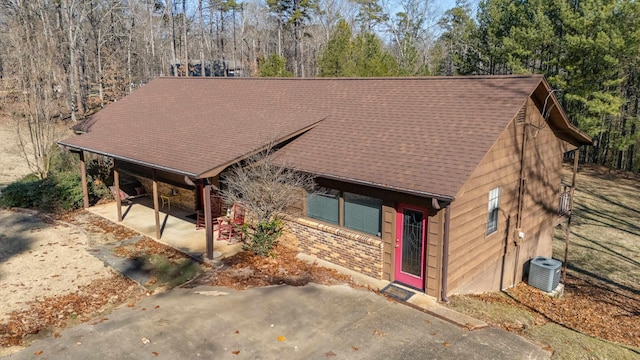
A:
58	192
64	192
24	193
63	161
262	238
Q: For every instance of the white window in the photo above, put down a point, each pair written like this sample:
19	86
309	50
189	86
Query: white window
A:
494	207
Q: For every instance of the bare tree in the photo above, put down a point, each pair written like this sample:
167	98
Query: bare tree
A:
184	38
35	81
267	189
174	60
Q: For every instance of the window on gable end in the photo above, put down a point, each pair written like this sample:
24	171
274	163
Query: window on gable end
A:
494	208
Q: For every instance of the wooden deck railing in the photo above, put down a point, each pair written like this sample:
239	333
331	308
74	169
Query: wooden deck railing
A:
564	203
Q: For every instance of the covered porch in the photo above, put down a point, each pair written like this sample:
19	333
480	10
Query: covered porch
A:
177	228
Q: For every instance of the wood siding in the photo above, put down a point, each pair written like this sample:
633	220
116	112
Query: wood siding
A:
480	262
435	231
389	240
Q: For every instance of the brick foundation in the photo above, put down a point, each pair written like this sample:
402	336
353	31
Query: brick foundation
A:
357	252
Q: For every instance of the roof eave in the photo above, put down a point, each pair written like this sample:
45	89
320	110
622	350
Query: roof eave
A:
573	134
74	147
419	193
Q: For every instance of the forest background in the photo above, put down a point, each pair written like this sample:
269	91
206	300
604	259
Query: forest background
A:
62	60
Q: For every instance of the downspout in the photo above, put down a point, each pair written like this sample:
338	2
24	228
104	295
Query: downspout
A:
445	253
521	193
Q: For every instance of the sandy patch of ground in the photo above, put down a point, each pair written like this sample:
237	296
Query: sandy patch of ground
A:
39	260
12	162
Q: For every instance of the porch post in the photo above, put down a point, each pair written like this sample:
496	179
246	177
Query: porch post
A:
116	184
576	156
208	221
567	226
83	178
156	206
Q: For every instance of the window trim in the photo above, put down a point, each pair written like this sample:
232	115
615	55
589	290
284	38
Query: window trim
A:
337	195
493	210
341	212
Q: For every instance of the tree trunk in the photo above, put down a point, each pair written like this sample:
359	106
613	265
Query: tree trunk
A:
174	60
184	38
201	25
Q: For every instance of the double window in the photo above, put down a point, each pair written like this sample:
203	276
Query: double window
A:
494	207
359	212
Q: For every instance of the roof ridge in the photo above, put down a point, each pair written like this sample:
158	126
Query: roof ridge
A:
413	78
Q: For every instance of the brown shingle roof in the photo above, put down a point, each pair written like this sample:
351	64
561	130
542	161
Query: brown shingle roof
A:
423	135
190	126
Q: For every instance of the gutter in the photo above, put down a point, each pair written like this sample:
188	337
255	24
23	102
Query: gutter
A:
133	161
445	254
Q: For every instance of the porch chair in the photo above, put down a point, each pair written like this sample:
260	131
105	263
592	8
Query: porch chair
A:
139	191
216	212
227	228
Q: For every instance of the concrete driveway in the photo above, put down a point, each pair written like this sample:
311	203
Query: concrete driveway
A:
280	322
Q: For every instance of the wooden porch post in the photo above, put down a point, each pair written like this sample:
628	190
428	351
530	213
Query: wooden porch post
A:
83	178
576	156
116	184
567	227
156	206
208	221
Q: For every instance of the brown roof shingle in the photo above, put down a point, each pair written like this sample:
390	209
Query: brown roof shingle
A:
424	135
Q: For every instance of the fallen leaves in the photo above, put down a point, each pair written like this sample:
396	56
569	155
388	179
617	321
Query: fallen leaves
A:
38	353
245	270
146	247
281	338
330	354
588	306
236	352
57	310
145	341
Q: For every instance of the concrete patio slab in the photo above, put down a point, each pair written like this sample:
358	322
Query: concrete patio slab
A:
177	229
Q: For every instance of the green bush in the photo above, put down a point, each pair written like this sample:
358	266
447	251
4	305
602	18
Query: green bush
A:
263	237
63	161
64	192
24	193
58	192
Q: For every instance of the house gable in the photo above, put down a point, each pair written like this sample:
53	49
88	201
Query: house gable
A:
481	262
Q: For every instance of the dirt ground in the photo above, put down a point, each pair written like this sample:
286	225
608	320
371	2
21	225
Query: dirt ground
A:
11	161
39	260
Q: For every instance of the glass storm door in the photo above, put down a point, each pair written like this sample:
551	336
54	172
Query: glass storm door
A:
411	229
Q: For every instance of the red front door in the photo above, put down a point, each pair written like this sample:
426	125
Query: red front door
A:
411	230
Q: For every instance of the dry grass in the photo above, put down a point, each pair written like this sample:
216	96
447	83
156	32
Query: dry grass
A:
605	233
599	317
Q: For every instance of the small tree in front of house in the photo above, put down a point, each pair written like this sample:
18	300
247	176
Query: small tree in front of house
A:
267	189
